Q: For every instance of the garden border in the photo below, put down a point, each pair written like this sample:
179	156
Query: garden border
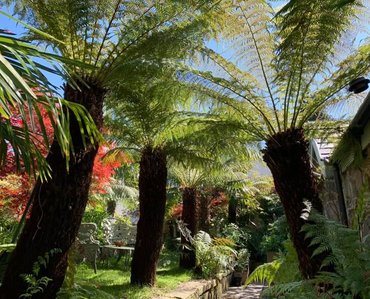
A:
200	289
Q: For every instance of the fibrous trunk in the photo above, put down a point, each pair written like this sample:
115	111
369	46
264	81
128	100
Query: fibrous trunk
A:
58	205
152	200
286	155
111	207
232	209
190	218
204	211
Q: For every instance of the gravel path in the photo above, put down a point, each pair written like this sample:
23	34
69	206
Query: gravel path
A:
253	291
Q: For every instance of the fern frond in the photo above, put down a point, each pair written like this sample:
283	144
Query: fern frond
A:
265	273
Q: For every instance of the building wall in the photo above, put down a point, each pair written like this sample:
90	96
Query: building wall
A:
330	195
352	184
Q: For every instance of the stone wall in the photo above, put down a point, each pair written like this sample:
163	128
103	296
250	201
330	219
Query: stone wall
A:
201	289
329	194
353	180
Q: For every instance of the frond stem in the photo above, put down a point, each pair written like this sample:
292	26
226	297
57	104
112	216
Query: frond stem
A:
109	26
262	67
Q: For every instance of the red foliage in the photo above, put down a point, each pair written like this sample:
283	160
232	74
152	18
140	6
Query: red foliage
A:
16	185
219	199
103	171
176	211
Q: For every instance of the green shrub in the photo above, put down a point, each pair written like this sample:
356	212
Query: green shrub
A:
349	256
96	214
224	242
211	258
276	235
7	225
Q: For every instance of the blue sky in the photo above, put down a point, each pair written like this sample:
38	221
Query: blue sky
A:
6	23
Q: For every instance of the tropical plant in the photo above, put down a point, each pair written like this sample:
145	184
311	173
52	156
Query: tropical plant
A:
29	103
291	70
284	269
350	279
276	234
189	180
37	284
153	125
242	260
118	38
212	258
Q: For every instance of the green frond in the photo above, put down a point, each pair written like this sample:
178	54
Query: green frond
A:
105	33
348	151
288	68
264	273
187	177
119	191
25	90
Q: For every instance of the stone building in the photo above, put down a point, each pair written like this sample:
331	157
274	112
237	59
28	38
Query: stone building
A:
345	166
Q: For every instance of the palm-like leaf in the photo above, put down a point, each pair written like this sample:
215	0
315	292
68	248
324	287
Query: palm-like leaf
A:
24	90
109	33
285	68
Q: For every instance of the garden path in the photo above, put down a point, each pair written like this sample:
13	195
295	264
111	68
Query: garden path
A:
253	291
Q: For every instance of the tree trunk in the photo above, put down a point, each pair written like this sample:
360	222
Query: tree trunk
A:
204	211
111	207
190	218
58	206
152	199
232	210
286	155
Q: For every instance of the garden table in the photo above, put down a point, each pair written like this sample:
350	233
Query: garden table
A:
121	250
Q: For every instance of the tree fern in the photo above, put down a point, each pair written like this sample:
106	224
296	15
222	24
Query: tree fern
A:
349	256
26	91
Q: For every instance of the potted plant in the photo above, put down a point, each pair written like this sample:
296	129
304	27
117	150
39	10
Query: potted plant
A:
241	268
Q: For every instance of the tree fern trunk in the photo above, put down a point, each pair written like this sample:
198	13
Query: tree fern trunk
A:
204	211
232	209
287	157
58	206
190	218
152	199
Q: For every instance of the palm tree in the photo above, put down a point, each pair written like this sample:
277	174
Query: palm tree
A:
288	72
116	38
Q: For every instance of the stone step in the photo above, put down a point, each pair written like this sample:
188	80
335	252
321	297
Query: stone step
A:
253	291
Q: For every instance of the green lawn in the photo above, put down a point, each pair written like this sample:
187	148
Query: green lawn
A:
113	281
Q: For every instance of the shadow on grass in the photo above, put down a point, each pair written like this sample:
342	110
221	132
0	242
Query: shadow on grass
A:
172	271
112	279
127	291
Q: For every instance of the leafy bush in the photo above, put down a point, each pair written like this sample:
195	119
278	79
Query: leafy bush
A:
242	260
96	214
349	256
224	242
276	235
211	258
238	235
7	225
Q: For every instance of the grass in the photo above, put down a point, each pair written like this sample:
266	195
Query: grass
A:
113	281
